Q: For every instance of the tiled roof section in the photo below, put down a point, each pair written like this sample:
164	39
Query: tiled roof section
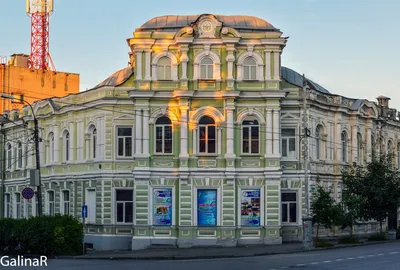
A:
295	78
117	78
179	21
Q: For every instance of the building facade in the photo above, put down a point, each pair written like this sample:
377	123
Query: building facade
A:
198	142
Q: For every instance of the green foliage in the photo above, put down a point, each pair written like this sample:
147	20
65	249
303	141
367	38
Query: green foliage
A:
398	233
57	235
325	211
322	244
348	240
376	187
377	237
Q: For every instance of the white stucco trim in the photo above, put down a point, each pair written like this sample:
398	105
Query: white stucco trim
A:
259	61
249	112
162	112
209	111
219	204
239	206
151	205
174	65
216	61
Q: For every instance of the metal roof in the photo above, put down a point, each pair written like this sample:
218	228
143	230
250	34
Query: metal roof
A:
295	78
234	21
117	78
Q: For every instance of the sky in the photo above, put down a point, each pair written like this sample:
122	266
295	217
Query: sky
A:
350	47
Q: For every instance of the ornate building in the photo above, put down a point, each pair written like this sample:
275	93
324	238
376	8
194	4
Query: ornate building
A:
198	142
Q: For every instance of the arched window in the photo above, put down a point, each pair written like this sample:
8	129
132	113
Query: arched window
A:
9	156
19	155
344	146
318	142
206	69
66	146
359	146
163	135
164	68
250	136
94	143
207	135
250	69
50	149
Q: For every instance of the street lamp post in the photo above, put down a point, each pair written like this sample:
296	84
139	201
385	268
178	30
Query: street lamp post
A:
37	155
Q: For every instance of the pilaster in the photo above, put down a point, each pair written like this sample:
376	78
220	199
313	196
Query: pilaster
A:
147	64
276	132
268	136
267	64
277	65
230	59
230	133
138	56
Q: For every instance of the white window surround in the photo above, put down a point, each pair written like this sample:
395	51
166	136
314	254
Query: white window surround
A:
164	128
219	204
250	136
19	154
114	206
262	205
298	206
174	65
259	61
286	126
17	206
50	205
116	141
50	148
151	206
65	203
66	146
174	120
216	61
9	157
7	205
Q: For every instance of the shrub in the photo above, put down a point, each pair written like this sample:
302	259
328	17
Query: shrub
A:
398	233
322	244
348	240
377	237
46	235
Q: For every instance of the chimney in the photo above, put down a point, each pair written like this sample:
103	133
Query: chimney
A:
19	60
15	114
383	101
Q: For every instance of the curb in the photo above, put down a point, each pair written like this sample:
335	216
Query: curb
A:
227	256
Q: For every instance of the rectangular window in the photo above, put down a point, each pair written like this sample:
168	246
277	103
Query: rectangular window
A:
124	205
250	140
162	206
7	205
17	205
124	137
288	142
250	207
35	205
164	139
289	207
65	196
50	203
207	139
207	207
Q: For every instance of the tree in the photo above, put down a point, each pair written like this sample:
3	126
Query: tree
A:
376	187
325	211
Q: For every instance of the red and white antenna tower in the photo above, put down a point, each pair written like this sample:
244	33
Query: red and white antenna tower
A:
40	11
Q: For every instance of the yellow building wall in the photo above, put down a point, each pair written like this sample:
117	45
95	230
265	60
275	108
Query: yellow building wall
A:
34	84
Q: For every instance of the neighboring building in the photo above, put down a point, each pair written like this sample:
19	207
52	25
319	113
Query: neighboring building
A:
198	143
33	84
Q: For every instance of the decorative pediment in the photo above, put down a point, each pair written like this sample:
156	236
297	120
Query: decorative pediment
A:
124	117
206	26
368	110
289	116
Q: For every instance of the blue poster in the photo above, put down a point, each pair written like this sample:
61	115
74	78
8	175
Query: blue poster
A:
250	207
207	207
162	205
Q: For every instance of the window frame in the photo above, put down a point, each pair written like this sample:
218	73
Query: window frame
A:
250	137
7	205
124	143
115	207
163	68
249	67
206	126
65	210
262	205
9	157
66	146
287	138
298	203
207	66
19	163
93	143
50	205
162	126
17	213
195	206
344	143
151	202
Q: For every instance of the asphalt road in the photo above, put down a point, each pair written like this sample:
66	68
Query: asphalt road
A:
382	256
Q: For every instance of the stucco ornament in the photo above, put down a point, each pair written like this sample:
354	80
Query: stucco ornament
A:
207	26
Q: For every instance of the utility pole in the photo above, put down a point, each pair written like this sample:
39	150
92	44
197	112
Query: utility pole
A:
307	220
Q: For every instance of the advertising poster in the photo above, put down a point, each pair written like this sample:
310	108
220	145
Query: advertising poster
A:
250	207
162	204
207	207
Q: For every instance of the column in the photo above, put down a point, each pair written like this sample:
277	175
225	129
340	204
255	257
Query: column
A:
184	130
147	64
138	66
354	144
277	71
338	143
138	131
230	59
184	60
267	65
268	143
368	146
146	132
230	153
72	135
276	132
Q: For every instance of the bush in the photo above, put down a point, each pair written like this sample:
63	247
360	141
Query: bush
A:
322	244
348	240
377	237
398	233
46	235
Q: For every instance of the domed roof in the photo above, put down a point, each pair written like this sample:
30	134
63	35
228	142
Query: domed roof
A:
235	21
117	78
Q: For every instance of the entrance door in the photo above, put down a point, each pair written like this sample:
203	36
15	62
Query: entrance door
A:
91	205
